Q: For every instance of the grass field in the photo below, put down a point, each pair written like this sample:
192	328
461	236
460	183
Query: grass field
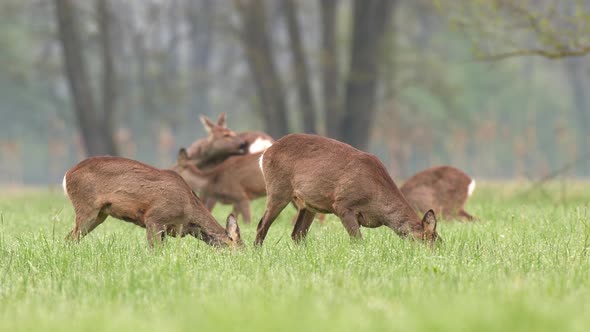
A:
524	267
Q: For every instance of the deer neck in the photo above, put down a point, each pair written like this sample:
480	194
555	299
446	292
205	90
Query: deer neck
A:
206	228
199	152
202	176
402	218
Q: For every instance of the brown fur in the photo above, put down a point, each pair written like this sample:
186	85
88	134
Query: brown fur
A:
231	188
221	143
236	181
443	189
248	136
209	152
328	176
159	200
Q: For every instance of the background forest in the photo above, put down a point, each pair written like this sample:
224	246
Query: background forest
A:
498	88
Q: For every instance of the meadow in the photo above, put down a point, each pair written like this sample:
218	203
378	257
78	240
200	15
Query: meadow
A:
524	267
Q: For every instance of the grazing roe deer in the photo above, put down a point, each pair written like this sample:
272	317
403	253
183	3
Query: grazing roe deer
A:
236	181
444	189
220	143
159	200
324	175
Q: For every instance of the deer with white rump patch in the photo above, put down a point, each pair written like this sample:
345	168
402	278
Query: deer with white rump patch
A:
220	143
158	200
230	179
212	151
324	175
445	189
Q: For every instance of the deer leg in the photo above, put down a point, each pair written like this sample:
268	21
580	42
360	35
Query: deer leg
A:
236	210
85	223
155	231
273	209
466	216
294	220
322	218
99	220
351	224
304	221
210	203
243	207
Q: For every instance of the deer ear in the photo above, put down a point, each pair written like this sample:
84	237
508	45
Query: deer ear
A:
207	124
232	229
429	221
182	155
221	120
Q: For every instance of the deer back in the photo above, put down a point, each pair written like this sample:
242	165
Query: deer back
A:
443	188
257	141
132	191
228	182
331	177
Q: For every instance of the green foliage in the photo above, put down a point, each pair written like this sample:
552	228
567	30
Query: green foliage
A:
524	267
501	29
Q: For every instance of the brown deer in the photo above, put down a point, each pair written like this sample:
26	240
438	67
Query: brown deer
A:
256	141
246	166
158	200
324	175
236	181
220	143
444	189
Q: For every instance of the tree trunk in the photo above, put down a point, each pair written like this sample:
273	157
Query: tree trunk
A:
300	70
109	76
257	48
89	121
576	76
329	60
371	18
200	17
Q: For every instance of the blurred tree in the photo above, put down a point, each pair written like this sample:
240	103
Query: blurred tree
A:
109	76
300	71
546	28
258	50
176	59
577	74
353	122
200	16
330	67
370	21
94	125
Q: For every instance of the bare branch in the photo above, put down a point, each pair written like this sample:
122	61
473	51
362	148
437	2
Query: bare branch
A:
556	54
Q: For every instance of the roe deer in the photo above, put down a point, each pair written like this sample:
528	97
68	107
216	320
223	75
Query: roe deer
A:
256	142
221	143
444	189
324	175
236	181
159	200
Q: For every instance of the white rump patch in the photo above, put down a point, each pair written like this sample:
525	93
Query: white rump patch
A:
259	145
63	183
260	162
471	188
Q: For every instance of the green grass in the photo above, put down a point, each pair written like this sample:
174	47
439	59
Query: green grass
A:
525	267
